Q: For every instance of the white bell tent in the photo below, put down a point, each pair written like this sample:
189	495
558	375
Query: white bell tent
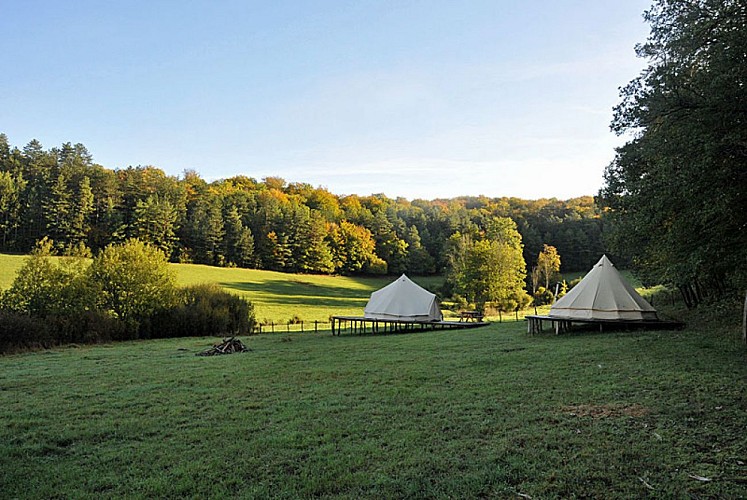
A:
403	300
604	295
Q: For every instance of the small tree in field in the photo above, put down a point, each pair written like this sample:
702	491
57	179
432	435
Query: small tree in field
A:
548	264
134	279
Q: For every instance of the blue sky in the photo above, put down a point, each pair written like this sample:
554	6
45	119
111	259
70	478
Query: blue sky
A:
419	99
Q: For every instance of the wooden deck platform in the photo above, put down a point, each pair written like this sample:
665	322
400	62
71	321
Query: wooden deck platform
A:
359	325
562	325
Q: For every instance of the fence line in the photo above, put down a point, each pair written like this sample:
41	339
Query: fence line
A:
322	326
294	327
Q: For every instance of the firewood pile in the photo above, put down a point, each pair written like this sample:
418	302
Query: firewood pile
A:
228	346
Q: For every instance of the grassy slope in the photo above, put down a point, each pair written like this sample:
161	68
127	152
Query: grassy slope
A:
486	412
276	296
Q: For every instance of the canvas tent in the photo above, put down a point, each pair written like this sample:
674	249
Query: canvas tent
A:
403	300
604	295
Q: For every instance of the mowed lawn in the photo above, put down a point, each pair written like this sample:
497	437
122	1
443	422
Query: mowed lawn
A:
277	297
489	412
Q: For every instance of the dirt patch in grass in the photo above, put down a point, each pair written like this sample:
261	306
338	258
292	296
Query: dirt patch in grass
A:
606	411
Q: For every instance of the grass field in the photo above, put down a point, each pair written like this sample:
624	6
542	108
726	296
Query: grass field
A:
461	414
472	413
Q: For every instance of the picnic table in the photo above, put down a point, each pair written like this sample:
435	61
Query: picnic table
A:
470	316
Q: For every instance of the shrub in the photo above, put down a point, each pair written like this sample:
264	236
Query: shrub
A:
43	287
543	296
202	310
53	303
375	265
21	331
295	320
134	280
516	301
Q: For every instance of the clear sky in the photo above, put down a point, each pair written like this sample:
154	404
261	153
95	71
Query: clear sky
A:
420	99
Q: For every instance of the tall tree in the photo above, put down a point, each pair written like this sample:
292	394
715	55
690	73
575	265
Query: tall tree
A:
11	188
155	223
675	193
239	241
59	211
491	269
80	225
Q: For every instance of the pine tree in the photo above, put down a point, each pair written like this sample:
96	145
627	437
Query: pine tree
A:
80	224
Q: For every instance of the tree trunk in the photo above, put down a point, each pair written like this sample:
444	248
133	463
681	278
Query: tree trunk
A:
744	320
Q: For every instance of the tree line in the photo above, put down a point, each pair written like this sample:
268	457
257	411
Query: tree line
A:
676	192
62	194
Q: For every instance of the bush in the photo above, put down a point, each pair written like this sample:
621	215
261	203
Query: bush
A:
53	303
43	286
516	301
134	280
375	265
543	296
19	331
202	310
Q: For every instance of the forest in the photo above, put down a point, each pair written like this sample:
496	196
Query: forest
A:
62	194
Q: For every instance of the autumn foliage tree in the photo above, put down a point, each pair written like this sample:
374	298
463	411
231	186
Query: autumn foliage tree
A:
548	264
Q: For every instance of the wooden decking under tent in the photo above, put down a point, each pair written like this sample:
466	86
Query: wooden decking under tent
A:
535	324
360	325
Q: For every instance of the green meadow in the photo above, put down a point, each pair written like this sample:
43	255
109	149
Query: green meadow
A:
489	412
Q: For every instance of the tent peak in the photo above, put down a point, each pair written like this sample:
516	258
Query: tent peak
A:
605	261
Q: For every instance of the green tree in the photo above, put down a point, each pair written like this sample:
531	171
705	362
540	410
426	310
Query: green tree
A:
80	224
674	194
155	223
11	189
239	240
212	231
353	249
490	269
59	211
548	264
315	256
134	279
419	260
45	286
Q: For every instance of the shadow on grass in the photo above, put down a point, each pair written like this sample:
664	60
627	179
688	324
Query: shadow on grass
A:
306	292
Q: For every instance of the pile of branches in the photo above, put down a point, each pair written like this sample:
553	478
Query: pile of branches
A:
228	346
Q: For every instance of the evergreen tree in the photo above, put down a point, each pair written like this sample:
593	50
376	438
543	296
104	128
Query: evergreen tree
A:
80	225
238	239
11	188
59	212
155	223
